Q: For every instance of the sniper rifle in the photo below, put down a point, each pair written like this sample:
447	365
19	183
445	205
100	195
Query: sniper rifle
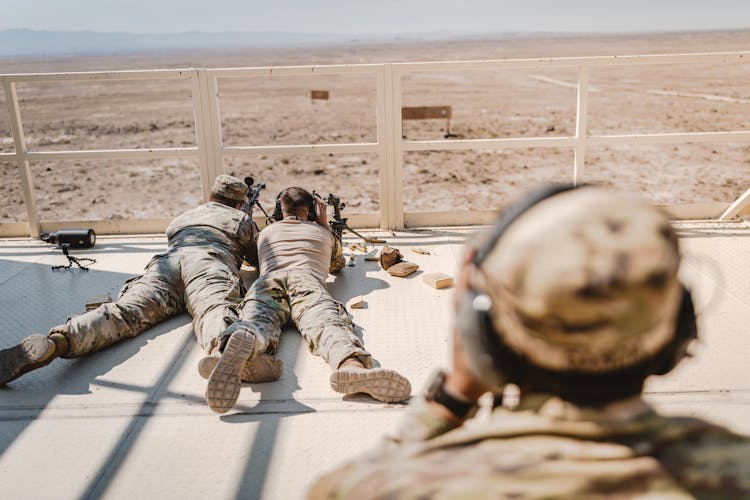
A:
253	195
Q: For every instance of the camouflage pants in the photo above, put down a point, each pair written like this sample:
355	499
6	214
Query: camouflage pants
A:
324	323
196	280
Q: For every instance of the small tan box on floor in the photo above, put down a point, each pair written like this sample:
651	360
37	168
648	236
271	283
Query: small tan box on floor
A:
402	269
357	302
97	300
438	280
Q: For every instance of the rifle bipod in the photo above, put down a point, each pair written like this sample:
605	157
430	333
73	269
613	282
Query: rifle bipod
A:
73	260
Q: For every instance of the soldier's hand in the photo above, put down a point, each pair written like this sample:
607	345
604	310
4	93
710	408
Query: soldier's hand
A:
322	218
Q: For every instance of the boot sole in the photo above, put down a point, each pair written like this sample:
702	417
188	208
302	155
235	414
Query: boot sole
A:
33	352
225	381
380	383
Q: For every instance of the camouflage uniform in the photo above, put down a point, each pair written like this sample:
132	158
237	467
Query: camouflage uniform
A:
549	448
199	273
300	295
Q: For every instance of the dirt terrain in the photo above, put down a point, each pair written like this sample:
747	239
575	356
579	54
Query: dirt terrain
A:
486	104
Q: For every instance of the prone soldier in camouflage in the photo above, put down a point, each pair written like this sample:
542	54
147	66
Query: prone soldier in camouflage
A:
198	273
573	297
295	255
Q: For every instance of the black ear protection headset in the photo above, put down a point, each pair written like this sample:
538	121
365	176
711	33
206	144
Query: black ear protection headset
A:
496	364
312	210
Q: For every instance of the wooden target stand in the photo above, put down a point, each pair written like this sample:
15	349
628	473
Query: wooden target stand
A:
429	113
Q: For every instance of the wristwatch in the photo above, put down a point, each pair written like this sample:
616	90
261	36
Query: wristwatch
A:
436	392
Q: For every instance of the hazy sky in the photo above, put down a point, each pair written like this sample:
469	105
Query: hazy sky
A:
373	16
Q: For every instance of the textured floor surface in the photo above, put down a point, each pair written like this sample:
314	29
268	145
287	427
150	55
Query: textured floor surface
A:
132	421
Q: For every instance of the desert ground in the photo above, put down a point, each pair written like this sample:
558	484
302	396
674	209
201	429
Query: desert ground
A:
486	104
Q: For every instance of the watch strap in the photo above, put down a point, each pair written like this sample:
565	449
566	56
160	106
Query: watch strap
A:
461	408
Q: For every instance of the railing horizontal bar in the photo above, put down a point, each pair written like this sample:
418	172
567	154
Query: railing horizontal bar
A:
145	226
450	218
694	211
720	57
372	68
524	142
14	229
595	140
365	147
148	74
267	71
118	226
362	221
677	138
114	154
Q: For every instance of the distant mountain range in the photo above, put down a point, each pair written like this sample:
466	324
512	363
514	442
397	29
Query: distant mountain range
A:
24	42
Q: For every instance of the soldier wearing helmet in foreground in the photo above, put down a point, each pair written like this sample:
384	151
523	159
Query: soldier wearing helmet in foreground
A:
199	272
574	297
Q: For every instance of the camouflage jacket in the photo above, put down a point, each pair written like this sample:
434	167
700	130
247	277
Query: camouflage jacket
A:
216	227
552	449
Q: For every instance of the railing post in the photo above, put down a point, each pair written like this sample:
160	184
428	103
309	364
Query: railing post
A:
391	173
24	170
398	154
581	121
207	128
384	97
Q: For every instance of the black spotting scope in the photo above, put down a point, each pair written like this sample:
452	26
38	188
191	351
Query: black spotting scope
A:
75	238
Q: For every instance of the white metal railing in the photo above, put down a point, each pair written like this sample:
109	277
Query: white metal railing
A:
389	146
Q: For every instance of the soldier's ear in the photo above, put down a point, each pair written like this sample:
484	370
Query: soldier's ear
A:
480	342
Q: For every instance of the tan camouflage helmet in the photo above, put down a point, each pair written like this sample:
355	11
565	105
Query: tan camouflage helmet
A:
585	281
230	187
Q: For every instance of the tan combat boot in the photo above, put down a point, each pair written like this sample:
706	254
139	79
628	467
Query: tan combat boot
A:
225	381
380	383
35	351
259	369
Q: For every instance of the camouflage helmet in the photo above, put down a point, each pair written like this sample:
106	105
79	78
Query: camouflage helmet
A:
230	187
584	281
